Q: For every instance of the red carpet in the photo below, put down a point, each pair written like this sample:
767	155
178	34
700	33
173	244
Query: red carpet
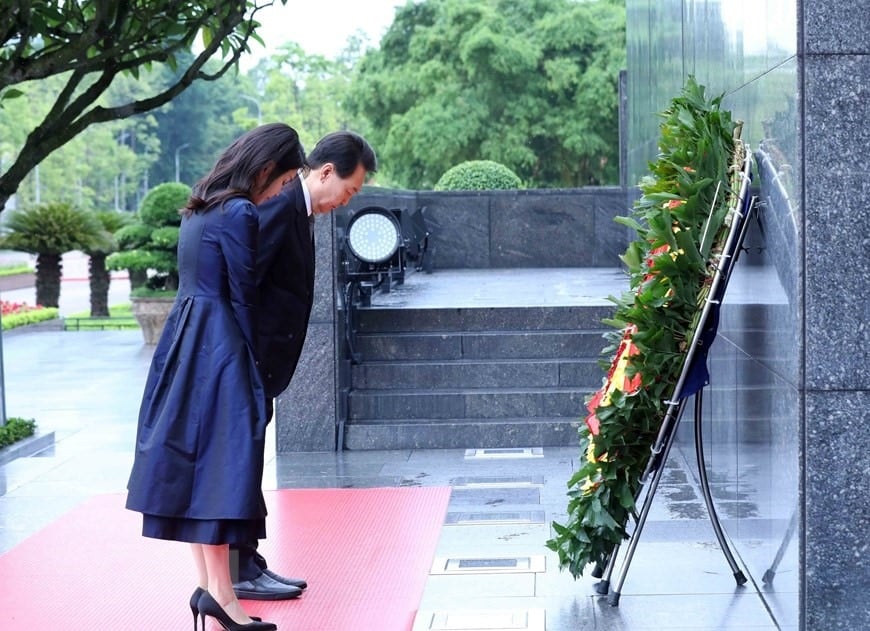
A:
366	554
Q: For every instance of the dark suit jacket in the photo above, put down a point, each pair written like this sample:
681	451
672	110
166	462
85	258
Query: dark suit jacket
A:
285	279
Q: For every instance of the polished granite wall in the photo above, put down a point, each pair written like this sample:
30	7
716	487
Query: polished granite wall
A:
496	229
512	229
306	413
785	419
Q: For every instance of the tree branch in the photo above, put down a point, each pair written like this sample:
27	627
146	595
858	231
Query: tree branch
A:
70	115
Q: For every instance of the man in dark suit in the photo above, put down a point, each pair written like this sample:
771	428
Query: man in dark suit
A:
337	169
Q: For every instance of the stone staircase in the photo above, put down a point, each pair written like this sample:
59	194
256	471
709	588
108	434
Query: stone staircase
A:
458	377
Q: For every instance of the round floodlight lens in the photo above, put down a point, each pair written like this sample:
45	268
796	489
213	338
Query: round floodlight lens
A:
373	237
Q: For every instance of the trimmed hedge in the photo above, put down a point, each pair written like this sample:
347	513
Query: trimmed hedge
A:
16	429
14	270
478	175
14	320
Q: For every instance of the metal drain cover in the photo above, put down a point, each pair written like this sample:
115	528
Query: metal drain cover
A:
489	565
496	482
491	519
504	452
481	620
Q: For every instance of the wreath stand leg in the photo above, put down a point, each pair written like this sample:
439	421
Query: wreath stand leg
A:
654	467
708	497
603	586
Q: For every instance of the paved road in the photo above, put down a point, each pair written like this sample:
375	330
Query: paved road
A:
75	294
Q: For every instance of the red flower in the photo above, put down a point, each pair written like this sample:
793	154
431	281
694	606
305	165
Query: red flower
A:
593	424
10	308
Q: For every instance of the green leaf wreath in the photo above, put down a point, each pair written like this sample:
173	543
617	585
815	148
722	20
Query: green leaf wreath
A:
681	220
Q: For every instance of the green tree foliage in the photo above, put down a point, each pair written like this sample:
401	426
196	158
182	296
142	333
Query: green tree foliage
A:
103	167
307	91
49	231
92	43
149	243
195	126
531	84
478	175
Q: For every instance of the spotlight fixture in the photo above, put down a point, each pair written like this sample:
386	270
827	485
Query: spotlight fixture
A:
374	235
375	249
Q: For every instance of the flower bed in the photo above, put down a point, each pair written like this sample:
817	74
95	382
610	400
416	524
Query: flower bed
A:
15	314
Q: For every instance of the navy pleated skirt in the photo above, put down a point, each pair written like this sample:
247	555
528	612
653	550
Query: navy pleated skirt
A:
207	531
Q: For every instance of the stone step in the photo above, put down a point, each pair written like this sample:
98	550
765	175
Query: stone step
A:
484	373
417	320
409	405
492	376
482	345
460	433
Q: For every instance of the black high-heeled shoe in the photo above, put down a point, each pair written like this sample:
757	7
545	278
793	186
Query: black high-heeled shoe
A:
194	607
208	606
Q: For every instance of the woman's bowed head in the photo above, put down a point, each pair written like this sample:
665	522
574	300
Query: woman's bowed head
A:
255	166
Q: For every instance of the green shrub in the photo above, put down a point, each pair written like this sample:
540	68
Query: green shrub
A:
16	429
149	243
12	270
14	320
115	311
478	175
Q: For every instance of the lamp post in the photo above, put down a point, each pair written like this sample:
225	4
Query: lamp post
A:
178	163
257	103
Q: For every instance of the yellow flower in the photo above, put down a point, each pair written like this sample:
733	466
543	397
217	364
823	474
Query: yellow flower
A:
589	486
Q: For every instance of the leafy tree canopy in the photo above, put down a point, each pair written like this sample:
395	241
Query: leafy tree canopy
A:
93	43
531	84
307	91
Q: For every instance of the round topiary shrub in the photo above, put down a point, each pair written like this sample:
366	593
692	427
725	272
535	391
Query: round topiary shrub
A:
160	207
478	175
148	244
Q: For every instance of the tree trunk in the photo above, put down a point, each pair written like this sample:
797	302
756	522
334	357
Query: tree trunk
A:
99	279
138	278
48	271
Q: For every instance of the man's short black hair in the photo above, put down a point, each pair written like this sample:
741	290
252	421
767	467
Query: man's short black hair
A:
346	150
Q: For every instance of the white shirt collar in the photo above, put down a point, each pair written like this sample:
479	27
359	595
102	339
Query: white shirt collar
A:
305	193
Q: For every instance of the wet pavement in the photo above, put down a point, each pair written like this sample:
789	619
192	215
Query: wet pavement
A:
492	570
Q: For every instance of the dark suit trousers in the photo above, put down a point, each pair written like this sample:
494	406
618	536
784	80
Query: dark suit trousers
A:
246	563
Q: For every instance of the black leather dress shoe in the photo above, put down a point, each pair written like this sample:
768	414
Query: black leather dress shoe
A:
301	583
264	587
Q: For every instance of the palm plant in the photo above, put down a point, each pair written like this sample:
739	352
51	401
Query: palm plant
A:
98	274
49	231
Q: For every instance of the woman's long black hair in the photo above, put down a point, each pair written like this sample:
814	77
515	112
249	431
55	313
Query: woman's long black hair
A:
235	173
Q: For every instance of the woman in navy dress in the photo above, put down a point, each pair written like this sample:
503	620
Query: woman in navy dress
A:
198	466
